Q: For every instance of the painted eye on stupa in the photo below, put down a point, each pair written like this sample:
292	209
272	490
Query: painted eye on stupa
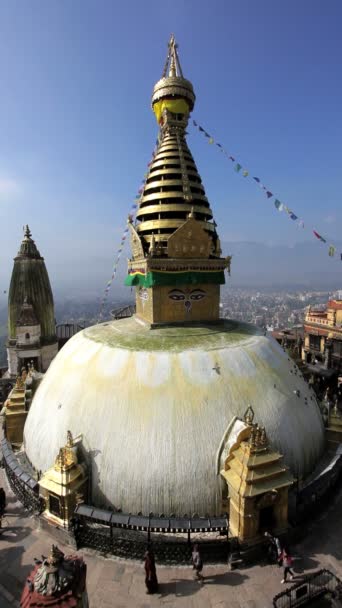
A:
177	294
197	294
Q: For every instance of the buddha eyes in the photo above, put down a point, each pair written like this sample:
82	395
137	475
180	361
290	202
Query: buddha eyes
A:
197	294
176	294
179	295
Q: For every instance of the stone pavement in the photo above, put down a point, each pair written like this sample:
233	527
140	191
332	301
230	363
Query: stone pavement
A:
120	584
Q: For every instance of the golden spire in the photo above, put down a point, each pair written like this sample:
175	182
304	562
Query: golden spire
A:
172	60
173	190
174	241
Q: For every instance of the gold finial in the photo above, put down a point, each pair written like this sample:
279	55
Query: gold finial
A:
172	60
252	438
249	415
70	441
27	232
60	460
263	437
257	437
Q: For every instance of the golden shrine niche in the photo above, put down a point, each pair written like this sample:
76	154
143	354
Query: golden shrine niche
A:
63	485
258	484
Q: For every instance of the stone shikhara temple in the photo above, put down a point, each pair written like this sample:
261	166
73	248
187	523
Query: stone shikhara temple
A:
156	407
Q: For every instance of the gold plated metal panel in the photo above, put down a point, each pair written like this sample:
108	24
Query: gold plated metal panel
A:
169	182
136	245
190	241
165	207
184	304
170	194
170	223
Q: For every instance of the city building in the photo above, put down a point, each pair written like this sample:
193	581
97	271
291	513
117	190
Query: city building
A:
322	347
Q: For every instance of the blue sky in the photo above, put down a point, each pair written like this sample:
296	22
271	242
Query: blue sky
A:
77	130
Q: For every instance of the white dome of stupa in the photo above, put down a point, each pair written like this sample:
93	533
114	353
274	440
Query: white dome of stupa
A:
153	407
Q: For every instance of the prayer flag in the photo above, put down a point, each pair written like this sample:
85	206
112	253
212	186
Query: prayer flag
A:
301	223
219	145
206	134
211	141
194	123
257	179
200	128
232	159
293	216
268	194
245	173
332	250
238	167
278	205
319	236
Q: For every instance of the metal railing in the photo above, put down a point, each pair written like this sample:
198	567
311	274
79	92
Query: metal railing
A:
311	586
25	487
127	536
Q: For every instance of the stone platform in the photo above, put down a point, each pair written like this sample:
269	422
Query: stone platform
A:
120	584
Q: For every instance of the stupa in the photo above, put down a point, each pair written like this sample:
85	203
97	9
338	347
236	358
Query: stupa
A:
31	318
155	396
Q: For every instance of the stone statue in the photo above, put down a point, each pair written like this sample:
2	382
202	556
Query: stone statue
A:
57	576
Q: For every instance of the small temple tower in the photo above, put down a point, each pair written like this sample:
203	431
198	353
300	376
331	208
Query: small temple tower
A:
31	317
176	263
258	484
63	485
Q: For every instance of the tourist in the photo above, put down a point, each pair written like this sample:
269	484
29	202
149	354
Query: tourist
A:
274	548
286	560
197	562
151	580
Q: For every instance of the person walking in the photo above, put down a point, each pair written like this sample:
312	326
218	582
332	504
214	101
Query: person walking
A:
274	547
151	580
197	562
287	560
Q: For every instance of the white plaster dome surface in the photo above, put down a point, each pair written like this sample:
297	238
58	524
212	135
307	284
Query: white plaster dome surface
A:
152	407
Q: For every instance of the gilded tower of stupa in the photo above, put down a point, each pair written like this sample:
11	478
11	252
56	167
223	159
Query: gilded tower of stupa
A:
176	253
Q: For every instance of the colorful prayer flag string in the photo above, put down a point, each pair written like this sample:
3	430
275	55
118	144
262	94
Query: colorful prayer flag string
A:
277	203
119	251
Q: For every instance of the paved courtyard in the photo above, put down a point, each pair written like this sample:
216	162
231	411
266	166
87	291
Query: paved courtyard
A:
120	584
